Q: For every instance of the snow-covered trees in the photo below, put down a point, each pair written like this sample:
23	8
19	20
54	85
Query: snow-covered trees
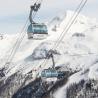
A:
84	89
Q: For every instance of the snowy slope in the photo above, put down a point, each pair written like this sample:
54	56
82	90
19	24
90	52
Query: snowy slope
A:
78	50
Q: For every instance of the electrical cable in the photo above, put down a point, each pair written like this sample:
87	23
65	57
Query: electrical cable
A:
70	23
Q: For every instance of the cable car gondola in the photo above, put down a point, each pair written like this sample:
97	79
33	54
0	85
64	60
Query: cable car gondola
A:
36	30
52	72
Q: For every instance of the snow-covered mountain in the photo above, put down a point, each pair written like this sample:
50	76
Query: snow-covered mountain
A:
78	50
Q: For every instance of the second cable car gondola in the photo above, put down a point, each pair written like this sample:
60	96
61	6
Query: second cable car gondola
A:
52	72
36	30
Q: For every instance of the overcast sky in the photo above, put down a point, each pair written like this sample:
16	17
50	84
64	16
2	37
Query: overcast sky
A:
13	13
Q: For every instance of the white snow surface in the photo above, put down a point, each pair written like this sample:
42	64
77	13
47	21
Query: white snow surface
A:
78	50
